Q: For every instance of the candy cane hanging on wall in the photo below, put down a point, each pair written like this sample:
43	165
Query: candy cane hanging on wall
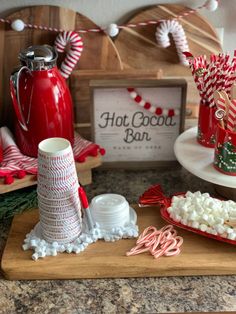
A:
74	52
174	28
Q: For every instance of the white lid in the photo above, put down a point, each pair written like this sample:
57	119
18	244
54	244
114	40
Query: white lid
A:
104	202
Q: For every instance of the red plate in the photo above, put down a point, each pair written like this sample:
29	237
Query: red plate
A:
166	216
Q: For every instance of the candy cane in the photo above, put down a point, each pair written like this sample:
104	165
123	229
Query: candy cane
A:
74	52
231	115
158	242
175	28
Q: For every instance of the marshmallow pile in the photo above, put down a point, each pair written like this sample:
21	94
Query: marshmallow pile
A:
200	211
43	248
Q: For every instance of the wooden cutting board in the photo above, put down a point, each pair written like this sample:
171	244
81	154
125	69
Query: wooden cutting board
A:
199	256
138	48
99	50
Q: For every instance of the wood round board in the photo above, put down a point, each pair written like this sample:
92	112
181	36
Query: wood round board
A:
138	48
135	43
99	51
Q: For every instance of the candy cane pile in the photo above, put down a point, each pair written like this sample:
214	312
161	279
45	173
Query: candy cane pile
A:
74	52
163	242
176	29
219	73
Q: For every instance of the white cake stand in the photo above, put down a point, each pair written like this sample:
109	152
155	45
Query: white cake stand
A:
198	160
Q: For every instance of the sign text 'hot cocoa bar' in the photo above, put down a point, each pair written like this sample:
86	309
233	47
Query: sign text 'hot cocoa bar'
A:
128	131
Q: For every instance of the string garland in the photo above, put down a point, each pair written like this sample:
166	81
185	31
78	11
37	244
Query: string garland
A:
113	29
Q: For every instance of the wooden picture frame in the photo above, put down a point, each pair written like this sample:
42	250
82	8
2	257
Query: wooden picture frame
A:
133	136
80	91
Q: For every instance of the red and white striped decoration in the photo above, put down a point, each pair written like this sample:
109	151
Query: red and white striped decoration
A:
231	116
216	74
150	107
57	190
73	54
14	163
174	28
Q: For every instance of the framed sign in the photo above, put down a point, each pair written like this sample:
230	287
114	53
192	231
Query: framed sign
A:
138	121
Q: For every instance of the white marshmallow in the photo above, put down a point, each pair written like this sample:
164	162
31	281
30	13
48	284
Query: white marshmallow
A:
203	227
232	236
203	212
35	256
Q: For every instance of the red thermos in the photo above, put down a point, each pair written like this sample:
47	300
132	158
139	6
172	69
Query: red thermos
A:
41	100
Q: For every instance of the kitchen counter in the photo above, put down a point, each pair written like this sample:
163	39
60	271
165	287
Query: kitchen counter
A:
134	295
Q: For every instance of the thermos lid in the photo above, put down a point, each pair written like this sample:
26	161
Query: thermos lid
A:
38	57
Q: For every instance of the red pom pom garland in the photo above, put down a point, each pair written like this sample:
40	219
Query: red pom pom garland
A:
21	174
8	179
150	107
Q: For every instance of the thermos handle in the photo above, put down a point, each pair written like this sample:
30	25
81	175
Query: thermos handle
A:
14	89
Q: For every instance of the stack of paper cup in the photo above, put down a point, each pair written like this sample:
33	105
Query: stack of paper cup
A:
58	199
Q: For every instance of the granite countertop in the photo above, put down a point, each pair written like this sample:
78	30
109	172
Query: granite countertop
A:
134	295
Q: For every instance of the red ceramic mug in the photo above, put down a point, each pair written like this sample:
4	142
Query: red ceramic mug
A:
207	125
225	151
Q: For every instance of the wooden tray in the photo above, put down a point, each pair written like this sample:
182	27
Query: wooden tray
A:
199	256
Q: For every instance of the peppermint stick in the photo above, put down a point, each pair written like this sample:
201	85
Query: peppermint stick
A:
216	74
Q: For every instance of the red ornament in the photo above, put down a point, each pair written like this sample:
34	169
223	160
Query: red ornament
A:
171	113
21	174
147	105
138	98
158	111
102	151
9	179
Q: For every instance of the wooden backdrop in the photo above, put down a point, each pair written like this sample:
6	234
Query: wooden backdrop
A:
138	48
133	49
99	51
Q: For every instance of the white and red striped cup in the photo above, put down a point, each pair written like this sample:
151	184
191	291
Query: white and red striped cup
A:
58	199
57	176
